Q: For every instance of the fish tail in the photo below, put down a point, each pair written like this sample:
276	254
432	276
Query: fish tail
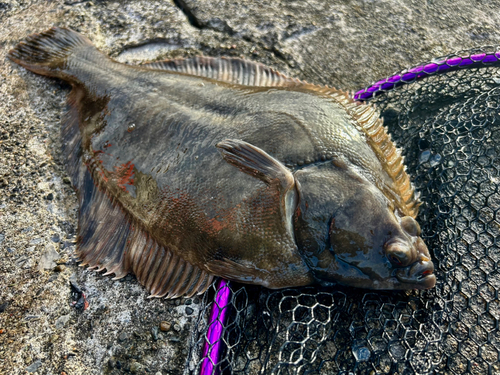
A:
47	53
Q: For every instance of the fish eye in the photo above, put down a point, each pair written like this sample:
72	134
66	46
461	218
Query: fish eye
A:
419	231
395	260
411	226
398	253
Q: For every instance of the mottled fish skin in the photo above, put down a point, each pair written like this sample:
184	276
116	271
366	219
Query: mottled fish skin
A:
276	186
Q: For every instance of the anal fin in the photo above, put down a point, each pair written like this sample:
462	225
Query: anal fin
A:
234	271
109	240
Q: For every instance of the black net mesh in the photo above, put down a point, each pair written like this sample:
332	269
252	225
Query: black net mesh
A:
448	128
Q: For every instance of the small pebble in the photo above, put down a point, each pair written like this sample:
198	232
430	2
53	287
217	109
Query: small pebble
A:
34	366
112	362
135	367
3	307
47	261
188	302
123	336
165	326
66	245
154	333
189	310
59	268
177	327
21	261
53	338
61	321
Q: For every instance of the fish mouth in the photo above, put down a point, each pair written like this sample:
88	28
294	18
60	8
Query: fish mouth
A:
420	275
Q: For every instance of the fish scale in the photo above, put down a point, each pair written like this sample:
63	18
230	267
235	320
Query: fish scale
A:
194	168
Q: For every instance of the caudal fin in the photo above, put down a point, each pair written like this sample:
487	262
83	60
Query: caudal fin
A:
47	53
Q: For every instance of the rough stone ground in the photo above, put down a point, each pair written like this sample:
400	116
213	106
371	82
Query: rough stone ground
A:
346	44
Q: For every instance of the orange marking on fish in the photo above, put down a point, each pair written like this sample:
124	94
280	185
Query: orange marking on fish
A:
214	225
124	175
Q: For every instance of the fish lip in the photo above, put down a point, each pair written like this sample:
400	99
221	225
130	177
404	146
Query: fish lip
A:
425	282
399	280
420	275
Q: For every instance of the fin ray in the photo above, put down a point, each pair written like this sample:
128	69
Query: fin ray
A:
234	271
255	162
231	70
45	52
109	241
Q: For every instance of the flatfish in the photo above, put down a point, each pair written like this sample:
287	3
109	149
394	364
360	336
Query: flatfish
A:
193	168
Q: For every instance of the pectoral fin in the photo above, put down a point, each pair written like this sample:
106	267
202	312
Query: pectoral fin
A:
256	162
279	264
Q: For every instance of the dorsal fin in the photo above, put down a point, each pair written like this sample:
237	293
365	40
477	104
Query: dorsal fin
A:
390	156
379	139
249	73
230	70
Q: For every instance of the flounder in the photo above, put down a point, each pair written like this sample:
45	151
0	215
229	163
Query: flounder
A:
193	168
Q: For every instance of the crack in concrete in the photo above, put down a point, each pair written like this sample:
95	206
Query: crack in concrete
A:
192	19
197	23
280	55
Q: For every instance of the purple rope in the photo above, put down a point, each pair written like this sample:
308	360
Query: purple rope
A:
406	76
213	345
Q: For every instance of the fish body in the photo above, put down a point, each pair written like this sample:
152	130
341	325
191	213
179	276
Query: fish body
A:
190	169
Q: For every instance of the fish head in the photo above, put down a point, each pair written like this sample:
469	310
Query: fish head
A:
349	232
